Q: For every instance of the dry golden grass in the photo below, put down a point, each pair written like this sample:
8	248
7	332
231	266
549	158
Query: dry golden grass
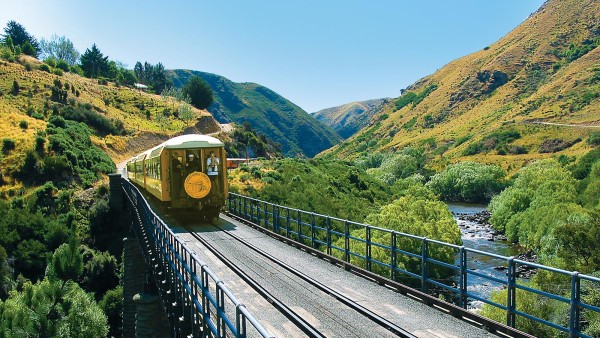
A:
510	106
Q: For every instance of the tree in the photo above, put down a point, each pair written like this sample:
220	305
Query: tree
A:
199	92
468	182
20	37
59	48
186	113
93	63
56	306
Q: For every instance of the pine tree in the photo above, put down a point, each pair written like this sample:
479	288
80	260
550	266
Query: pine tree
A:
93	63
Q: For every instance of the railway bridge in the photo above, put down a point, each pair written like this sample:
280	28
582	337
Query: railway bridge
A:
265	270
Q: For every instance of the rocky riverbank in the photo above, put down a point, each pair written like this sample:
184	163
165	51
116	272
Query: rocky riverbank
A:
476	225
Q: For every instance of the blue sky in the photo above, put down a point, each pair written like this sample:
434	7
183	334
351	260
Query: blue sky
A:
316	53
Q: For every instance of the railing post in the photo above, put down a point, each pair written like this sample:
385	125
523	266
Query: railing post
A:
574	322
511	293
313	230
424	269
462	302
276	219
287	223
394	257
346	241
368	247
328	236
299	224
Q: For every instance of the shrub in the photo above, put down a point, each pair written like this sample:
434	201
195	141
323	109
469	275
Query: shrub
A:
62	64
468	182
50	62
44	67
15	88
7	145
594	139
23	124
58	72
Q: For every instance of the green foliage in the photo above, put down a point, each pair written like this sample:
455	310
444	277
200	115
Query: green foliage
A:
583	167
404	164
499	140
541	208
405	99
417	212
93	63
52	308
93	119
468	182
155	76
19	37
112	305
246	142
44	67
100	273
73	142
414	98
15	88
297	133
8	144
199	92
59	48
323	186
67	261
530	303
594	138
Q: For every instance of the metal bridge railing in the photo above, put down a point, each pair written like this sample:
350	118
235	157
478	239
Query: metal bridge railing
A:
419	262
197	301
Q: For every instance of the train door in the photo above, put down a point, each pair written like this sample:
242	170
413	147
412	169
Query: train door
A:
176	168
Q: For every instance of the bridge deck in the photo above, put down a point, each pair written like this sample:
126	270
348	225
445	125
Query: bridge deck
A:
324	312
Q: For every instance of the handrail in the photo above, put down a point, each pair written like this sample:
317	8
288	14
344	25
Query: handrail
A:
187	295
325	231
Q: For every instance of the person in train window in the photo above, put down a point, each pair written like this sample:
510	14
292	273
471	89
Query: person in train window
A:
193	163
212	162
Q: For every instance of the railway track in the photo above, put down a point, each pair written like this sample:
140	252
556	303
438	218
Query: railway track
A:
294	317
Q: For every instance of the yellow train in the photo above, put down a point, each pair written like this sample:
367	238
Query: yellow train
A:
185	172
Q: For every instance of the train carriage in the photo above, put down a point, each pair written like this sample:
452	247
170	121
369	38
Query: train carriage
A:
185	172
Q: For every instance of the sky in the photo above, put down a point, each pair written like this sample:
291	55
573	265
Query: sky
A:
316	53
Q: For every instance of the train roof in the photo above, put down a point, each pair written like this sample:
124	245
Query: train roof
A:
179	142
192	141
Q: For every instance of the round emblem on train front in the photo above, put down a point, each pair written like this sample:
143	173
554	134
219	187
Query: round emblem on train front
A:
197	185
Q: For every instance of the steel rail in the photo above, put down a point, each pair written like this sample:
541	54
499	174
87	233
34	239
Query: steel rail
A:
390	326
302	324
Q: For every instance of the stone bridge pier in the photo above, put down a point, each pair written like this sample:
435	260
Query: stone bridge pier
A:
143	312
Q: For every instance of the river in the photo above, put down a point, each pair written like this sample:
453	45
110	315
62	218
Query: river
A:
480	237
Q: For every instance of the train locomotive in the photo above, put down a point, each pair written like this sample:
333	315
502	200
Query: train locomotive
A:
186	172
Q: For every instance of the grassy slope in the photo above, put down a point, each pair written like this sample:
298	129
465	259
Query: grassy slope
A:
266	111
123	103
348	119
534	91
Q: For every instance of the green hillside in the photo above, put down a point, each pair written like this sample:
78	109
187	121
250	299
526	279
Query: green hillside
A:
349	118
266	111
497	105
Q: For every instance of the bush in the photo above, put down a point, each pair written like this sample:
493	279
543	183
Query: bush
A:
23	124
44	67
8	144
50	62
594	139
62	64
58	72
468	182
